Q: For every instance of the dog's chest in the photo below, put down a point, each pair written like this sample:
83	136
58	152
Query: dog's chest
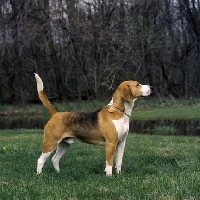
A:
122	127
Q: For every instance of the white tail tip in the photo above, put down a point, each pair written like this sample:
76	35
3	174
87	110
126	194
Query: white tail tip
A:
40	86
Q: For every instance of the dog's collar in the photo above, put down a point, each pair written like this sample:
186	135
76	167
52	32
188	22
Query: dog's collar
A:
121	111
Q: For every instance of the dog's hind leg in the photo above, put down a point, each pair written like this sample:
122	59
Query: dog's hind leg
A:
41	161
61	150
48	147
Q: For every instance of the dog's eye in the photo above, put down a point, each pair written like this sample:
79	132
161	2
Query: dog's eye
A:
137	84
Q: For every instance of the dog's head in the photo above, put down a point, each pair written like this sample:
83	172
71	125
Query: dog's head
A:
131	90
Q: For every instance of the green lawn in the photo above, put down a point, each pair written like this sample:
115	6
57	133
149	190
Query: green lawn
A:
154	167
144	109
174	112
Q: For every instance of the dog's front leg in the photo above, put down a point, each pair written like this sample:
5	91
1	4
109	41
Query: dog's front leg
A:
119	155
110	150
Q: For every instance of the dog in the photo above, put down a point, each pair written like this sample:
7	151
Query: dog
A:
108	126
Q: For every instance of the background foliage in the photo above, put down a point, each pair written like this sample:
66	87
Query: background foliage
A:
84	49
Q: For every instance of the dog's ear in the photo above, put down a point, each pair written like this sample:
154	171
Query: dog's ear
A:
126	93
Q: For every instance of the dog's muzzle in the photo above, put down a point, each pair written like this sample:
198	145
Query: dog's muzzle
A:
146	90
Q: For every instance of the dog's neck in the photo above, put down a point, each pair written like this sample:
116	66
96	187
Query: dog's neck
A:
118	101
129	106
122	105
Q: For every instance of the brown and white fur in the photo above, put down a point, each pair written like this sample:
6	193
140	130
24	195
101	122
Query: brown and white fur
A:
108	126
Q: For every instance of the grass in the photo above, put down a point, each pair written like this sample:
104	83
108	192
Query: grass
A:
144	109
164	130
153	109
154	167
174	112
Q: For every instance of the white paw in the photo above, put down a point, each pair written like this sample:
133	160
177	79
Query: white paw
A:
39	171
57	170
108	170
118	169
56	167
39	168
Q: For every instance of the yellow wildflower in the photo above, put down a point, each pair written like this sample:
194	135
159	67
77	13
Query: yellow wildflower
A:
5	147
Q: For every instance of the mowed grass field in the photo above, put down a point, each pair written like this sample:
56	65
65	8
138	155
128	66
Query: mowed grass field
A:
144	109
154	167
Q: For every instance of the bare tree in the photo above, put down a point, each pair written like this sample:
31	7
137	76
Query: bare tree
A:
83	49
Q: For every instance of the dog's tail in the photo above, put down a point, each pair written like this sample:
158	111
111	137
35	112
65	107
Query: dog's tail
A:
43	96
